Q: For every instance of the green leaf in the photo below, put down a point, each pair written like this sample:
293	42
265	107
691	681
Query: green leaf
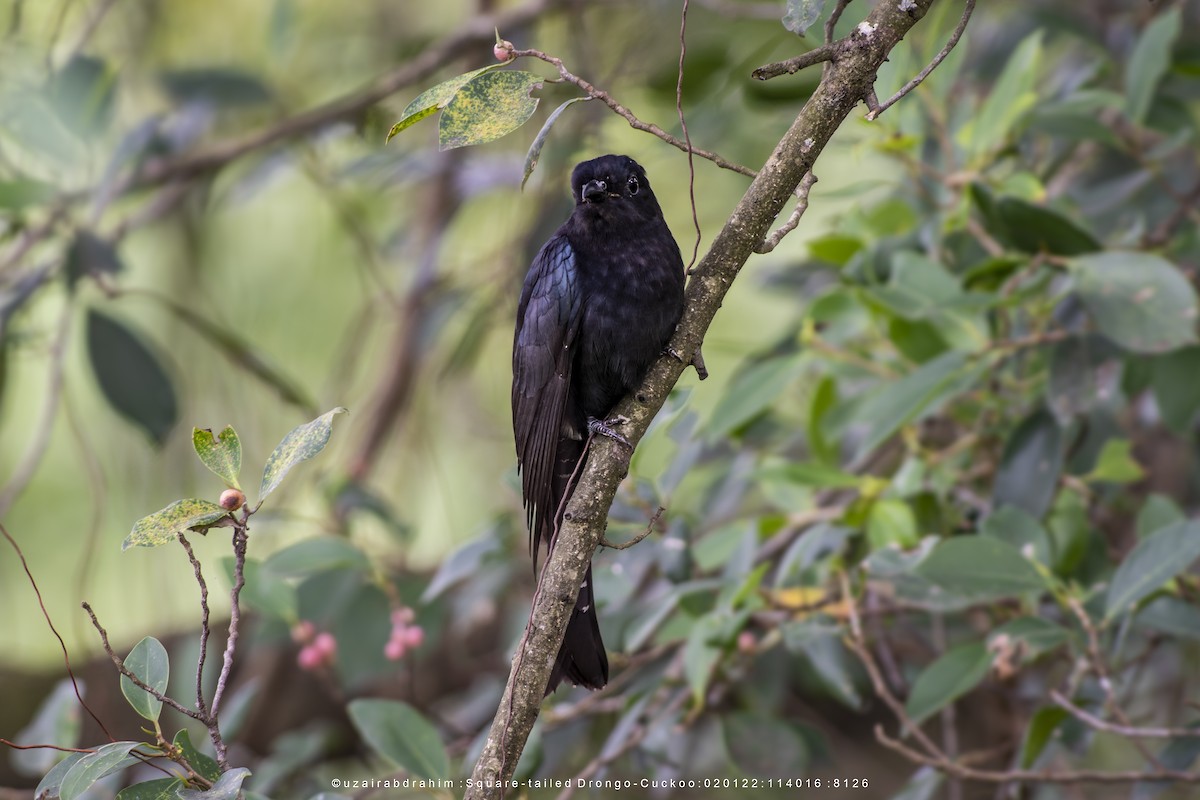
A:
1116	464
431	100
1041	728
1171	616
221	454
215	86
148	661
1034	229
131	376
160	789
488	107
264	591
835	248
319	554
832	664
1158	511
20	193
1148	63
462	563
51	783
801	14
204	765
978	567
106	760
1155	560
1015	527
57	722
918	287
955	673
1139	300
400	734
301	444
1073	388
1013	94
179	517
744	734
812	474
227	787
1031	464
751	392
892	523
700	655
1176	389
539	141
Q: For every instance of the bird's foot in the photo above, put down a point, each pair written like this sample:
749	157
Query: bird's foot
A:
606	428
696	361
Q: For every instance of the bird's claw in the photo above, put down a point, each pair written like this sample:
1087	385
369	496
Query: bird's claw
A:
606	428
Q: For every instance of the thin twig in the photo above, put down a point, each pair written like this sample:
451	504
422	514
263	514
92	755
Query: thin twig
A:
54	630
239	571
877	109
204	626
826	52
772	241
141	684
628	115
1092	721
687	137
16	746
604	542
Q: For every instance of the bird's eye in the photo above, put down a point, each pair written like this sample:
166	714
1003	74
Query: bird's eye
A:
633	185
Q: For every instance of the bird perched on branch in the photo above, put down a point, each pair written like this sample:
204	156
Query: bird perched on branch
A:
599	304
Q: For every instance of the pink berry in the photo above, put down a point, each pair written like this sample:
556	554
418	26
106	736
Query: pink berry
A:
414	636
310	658
326	645
403	616
502	51
394	649
746	642
303	632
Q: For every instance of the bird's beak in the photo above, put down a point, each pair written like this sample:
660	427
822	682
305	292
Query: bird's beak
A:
594	191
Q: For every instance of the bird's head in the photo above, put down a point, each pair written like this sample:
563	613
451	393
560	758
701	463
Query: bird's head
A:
613	188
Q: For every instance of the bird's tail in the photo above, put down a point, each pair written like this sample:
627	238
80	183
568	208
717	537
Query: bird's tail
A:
581	659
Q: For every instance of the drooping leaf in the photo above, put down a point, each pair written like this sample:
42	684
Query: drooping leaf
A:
1149	61
956	672
302	443
181	516
131	376
148	661
539	141
488	107
1031	464
106	760
1035	229
51	784
433	99
1176	389
1139	300
1011	97
979	567
400	734
751	392
1155	560
801	14
222	454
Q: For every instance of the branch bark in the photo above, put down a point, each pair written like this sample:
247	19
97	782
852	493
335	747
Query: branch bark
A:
846	83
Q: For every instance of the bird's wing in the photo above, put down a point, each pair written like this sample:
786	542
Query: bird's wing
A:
543	351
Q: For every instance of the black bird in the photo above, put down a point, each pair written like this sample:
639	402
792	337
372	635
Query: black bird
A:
600	303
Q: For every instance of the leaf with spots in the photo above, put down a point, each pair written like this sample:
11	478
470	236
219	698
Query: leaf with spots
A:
432	100
488	107
301	444
222	453
1139	300
182	515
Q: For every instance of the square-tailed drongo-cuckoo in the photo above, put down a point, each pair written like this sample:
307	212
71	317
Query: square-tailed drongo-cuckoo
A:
599	304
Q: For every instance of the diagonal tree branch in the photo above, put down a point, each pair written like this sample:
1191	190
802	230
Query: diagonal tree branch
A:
846	83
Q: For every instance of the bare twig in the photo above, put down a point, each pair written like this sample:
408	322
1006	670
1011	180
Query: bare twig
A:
239	553
141	684
1092	721
772	241
875	110
604	542
687	137
826	52
15	746
205	630
628	115
50	622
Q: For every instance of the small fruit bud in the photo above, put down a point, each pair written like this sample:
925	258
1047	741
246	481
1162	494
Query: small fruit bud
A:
232	499
303	632
414	636
503	50
310	658
326	645
394	650
402	616
746	642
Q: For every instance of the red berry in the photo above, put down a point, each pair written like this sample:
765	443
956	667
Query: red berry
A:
394	649
232	499
326	645
746	642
